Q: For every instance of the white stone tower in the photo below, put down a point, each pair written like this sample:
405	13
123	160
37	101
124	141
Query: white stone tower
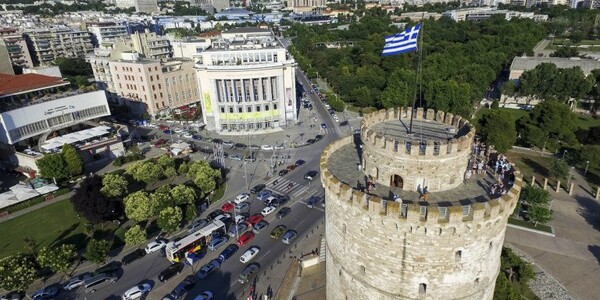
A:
445	248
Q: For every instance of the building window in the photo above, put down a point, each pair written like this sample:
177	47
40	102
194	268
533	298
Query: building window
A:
231	110
274	105
266	107
457	255
151	78
248	108
240	110
153	87
155	68
222	109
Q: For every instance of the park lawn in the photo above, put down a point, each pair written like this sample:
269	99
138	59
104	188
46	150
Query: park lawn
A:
55	223
587	121
530	164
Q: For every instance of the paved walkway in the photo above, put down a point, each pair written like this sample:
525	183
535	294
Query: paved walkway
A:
573	256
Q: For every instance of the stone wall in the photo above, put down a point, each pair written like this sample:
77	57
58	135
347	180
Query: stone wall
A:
382	250
438	164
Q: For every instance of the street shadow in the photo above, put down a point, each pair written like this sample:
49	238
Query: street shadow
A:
218	279
595	249
61	237
586	190
589	209
537	168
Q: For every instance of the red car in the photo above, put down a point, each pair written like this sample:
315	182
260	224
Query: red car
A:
159	143
245	238
163	127
227	207
254	219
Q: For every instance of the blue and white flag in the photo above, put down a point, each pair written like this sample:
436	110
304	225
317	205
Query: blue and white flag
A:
405	41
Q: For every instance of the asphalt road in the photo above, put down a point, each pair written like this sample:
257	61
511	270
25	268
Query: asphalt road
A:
224	283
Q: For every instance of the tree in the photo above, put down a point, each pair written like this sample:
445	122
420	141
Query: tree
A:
590	153
97	251
135	235
166	161
72	159
17	272
205	183
53	166
559	168
554	121
498	129
162	198
147	172
183	194
538	201
504	289
30	244
58	259
204	176
114	185
169	219
92	204
74	66
139	206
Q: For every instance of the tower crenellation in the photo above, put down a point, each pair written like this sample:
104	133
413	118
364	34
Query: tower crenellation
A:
379	248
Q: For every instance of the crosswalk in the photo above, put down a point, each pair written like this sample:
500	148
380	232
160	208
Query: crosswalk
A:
326	130
296	191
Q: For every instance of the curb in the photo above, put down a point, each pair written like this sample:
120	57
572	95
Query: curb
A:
532	230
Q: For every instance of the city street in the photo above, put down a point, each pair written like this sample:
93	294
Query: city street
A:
242	176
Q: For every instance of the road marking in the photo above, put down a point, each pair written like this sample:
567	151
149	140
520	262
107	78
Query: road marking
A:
233	284
263	255
314	207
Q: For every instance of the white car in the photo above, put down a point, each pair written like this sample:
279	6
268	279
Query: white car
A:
279	147
178	130
267	210
266	147
137	291
76	281
155	246
249	254
207	295
241	198
187	135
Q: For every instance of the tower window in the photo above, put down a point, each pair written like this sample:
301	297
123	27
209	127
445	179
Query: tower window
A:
458	255
422	288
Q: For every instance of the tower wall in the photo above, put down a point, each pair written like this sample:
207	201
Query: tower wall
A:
438	164
385	250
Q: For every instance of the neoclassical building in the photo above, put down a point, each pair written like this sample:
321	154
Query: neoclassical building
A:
247	83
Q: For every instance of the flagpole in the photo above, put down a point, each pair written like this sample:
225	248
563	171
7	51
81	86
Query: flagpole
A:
418	73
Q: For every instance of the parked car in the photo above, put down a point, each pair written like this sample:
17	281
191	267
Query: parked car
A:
284	211
111	267
229	143
241	218
313	201
263	195
267	210
182	288
254	147
187	135
156	245
241	198
14	295
237	229
299	162
133	256
270	200
240	146
289	236
283	172
137	291
171	271
245	238
48	292
217	242
206	295
228	252
266	147
318	137
248	272
278	231
197	225
310	175
280	201
249	254
257	188
77	281
323	126
291	168
211	216
236	157
253	219
258	227
99	281
207	269
227	207
311	141
242	207
279	147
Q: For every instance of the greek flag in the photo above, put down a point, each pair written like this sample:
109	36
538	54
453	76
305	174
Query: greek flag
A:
405	41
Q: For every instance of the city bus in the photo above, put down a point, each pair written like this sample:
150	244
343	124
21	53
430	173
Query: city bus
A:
176	250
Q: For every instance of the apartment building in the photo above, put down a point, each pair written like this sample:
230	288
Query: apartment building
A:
151	45
47	44
13	43
146	6
106	33
294	4
148	85
211	5
247	82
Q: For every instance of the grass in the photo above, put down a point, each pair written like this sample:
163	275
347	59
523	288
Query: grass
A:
50	225
539	227
530	164
587	121
219	193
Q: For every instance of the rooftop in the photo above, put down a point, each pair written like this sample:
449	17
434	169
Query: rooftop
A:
343	165
529	63
16	84
247	30
426	130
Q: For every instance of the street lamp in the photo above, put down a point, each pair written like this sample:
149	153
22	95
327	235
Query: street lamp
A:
570	172
587	163
544	148
564	152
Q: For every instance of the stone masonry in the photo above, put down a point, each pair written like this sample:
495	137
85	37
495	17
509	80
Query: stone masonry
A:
379	249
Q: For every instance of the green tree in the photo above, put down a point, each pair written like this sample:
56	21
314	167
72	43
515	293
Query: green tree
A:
498	129
509	88
163	199
204	176
170	172
30	245
74	66
554	121
166	161
58	259
147	172
72	159
169	219
135	235
515	268
590	153
538	201
504	289
53	166
190	212
17	272
183	168
97	251
139	206
114	185
183	194
559	169
205	183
